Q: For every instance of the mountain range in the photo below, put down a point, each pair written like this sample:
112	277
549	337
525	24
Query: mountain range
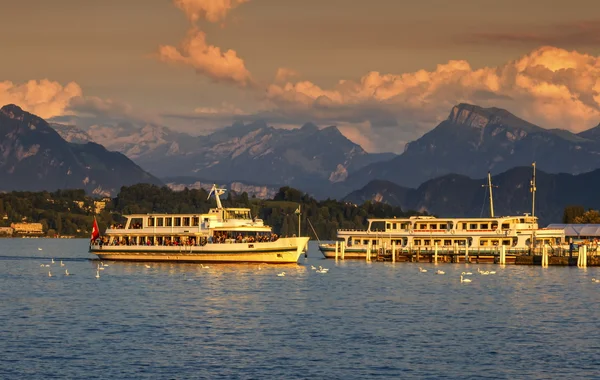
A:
33	157
474	140
308	157
455	195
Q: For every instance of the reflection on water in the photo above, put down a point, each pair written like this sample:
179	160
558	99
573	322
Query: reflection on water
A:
360	320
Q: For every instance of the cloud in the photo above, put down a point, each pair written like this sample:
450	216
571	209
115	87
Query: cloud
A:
94	106
551	87
44	98
284	74
210	10
207	60
573	34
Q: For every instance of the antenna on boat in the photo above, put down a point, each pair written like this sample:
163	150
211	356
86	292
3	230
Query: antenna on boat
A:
533	188
490	186
217	193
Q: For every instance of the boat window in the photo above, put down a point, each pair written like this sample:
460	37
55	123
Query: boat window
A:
186	221
150	222
506	242
484	226
427	242
505	226
195	221
482	242
405	226
356	242
417	241
388	226
423	226
177	222
443	226
378	226
433	226
437	242
135	223
473	226
168	222
447	242
365	242
159	222
494	226
522	220
464	226
394	226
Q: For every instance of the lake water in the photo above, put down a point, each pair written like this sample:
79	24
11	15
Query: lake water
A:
360	320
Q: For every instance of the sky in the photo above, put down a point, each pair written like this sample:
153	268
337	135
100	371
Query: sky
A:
384	71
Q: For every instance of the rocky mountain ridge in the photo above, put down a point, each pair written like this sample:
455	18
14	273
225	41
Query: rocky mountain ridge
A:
33	156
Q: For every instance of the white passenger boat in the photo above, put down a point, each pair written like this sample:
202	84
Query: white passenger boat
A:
519	234
221	235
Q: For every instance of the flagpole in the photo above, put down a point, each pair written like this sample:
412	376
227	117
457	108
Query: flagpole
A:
299	213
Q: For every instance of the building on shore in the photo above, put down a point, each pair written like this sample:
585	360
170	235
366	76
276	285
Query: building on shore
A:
27	228
6	231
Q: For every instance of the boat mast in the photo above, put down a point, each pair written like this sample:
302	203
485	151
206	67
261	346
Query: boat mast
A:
490	186
217	192
533	188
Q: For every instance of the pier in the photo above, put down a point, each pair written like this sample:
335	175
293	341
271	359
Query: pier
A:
544	256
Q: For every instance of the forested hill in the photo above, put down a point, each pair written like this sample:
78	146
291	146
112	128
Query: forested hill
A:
71	212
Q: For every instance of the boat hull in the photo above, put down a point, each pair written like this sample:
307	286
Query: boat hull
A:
282	251
328	252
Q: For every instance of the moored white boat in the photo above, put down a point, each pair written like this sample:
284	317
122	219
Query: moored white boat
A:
221	235
518	234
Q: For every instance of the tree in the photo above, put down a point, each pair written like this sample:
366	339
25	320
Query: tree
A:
589	217
572	212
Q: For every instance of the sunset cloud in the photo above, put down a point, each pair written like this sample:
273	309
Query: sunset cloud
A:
209	10
44	98
551	87
208	60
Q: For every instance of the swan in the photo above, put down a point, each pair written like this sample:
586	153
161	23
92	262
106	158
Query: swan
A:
464	279
97	274
312	267
52	260
440	272
61	263
282	274
42	265
204	266
39	249
492	272
259	268
422	270
49	274
324	270
99	267
595	280
467	273
66	272
484	272
148	266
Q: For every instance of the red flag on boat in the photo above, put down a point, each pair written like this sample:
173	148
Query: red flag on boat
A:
95	230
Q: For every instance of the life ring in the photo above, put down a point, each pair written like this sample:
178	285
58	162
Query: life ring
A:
452	232
410	231
499	232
